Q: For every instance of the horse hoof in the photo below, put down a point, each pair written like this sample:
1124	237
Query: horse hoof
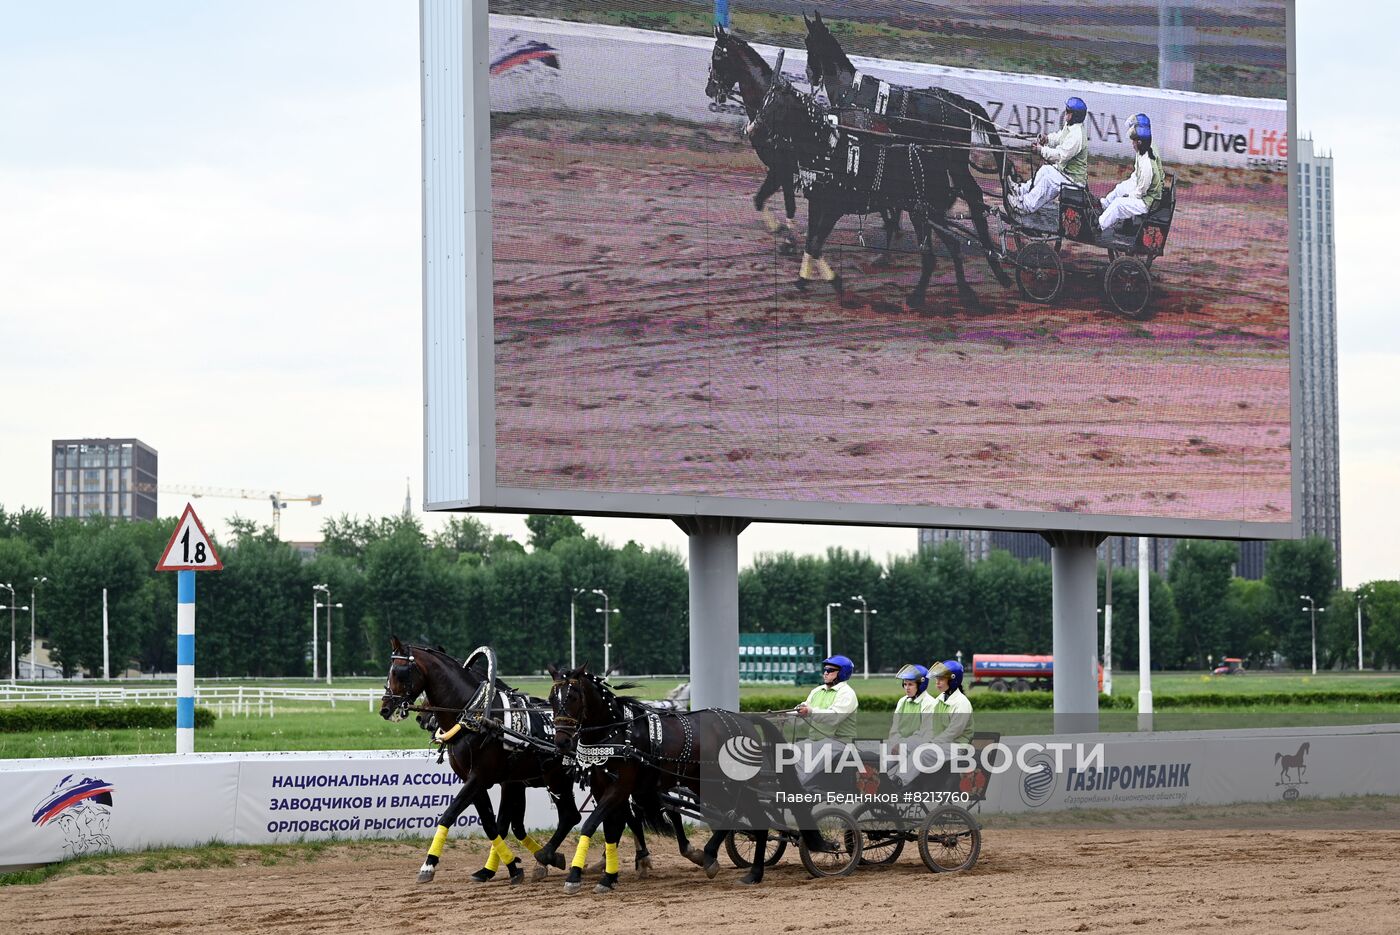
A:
801	284
747	880
597	866
787	248
426	875
696	856
481	876
838	284
572	889
602	888
915	302
712	869
557	862
540	872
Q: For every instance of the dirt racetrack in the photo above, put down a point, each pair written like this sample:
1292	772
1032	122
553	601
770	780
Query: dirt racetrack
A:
1340	874
649	338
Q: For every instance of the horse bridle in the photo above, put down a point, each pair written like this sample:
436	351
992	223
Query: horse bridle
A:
562	722
402	703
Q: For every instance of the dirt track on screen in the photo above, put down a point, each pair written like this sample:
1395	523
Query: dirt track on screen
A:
649	337
1027	881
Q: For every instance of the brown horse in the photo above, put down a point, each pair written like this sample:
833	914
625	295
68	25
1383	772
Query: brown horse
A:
1294	762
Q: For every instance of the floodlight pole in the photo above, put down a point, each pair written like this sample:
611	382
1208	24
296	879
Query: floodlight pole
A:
865	611
33	604
714	609
1108	619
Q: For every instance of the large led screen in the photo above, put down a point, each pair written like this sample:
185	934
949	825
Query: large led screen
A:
1037	257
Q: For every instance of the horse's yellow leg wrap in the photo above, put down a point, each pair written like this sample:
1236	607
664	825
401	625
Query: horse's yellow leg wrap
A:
531	844
770	220
610	858
581	852
806	269
493	858
439	839
502	850
816	268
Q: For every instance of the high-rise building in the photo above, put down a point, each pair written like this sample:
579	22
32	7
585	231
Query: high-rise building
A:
978	544
104	476
1316	450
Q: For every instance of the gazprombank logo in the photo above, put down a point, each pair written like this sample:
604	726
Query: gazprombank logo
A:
83	809
1038	780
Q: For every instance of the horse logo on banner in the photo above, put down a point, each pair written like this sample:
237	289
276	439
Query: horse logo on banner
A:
83	809
1292	768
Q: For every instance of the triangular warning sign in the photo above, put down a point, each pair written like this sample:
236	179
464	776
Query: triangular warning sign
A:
189	549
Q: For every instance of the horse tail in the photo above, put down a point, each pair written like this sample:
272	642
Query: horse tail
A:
646	810
1277	757
984	133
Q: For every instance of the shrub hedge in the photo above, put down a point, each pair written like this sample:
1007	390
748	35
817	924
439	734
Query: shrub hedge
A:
32	719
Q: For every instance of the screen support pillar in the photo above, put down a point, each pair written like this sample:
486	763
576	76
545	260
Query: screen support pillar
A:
714	610
1074	570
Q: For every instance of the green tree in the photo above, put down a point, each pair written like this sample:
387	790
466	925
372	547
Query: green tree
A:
1294	567
1380	617
1199	574
546	529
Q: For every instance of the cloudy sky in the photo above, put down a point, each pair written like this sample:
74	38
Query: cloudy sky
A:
209	231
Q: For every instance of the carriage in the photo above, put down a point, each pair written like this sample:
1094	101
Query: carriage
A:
1036	242
934	813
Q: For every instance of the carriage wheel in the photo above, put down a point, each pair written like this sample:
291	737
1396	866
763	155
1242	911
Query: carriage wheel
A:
1128	285
1039	272
883	831
841	834
740	846
950	840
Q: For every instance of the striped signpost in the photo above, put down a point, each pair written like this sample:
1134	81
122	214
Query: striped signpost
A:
188	551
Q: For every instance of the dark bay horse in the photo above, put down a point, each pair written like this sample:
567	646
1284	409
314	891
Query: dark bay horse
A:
847	171
950	121
626	747
735	65
485	758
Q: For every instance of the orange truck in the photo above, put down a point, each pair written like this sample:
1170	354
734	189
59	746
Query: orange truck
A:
1016	671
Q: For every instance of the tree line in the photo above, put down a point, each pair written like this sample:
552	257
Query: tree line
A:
466	585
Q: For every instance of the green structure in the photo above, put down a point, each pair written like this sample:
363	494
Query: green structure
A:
786	658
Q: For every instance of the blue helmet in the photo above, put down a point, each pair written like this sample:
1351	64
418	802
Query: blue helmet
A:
841	662
1077	108
916	673
950	669
1142	128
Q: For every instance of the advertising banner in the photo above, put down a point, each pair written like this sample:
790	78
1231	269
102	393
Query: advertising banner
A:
64	808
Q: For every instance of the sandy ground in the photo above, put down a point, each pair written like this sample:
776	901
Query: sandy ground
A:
649	337
1027	881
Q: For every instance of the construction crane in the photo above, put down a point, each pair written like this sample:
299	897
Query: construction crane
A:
278	500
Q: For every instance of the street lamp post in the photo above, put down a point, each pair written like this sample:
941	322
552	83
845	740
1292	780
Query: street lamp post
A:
607	611
315	632
865	611
33	603
1360	666
573	598
1313	610
327	605
14	666
828	625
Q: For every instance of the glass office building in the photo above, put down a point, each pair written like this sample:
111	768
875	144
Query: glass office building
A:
103	476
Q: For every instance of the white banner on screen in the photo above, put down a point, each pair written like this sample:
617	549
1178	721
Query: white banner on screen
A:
588	67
